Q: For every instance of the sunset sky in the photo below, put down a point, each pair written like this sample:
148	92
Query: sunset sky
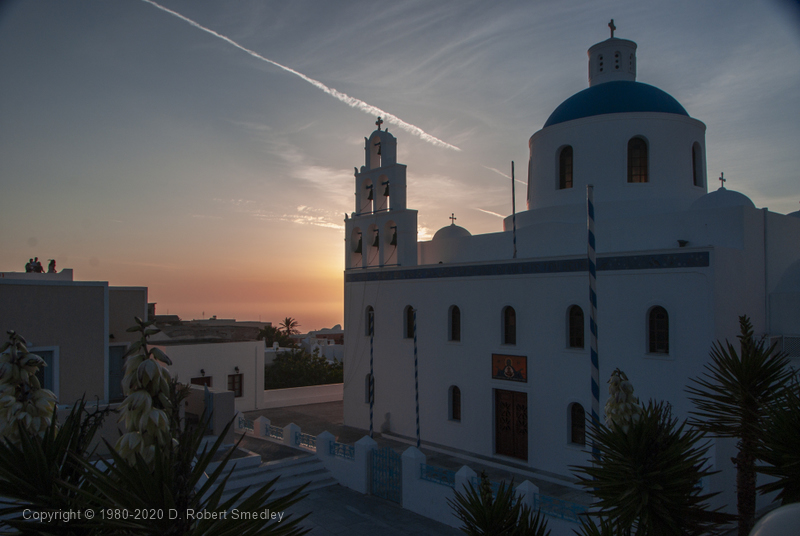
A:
140	149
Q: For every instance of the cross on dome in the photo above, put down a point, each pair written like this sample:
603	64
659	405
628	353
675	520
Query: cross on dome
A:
722	180
612	27
453	218
379	122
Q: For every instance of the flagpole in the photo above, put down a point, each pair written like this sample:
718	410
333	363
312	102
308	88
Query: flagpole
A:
513	210
592	257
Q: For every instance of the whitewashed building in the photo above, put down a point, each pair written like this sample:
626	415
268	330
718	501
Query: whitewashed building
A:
502	319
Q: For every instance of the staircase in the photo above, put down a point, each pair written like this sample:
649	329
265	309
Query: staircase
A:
293	472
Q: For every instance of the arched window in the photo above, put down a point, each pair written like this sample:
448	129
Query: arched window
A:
637	160
369	321
454	324
697	165
408	322
369	389
658	332
509	326
565	168
455	403
577	424
575	327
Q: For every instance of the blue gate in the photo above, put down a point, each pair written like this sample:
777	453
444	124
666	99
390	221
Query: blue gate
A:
387	477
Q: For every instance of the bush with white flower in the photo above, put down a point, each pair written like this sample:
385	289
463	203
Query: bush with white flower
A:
147	407
22	398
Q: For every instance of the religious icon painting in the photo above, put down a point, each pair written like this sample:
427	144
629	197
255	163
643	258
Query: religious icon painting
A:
510	367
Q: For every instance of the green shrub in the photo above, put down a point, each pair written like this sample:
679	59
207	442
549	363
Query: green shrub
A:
297	368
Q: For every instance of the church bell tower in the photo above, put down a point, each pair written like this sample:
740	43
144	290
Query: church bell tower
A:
382	231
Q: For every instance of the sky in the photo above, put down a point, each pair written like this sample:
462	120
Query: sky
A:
212	160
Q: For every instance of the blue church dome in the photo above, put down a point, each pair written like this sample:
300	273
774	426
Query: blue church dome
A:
613	98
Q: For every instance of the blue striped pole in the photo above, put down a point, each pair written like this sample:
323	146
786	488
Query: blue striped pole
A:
371	374
593	305
416	374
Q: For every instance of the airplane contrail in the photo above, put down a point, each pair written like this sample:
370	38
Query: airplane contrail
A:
350	101
490	212
504	175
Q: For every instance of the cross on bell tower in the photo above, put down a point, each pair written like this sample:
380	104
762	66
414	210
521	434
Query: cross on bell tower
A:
379	122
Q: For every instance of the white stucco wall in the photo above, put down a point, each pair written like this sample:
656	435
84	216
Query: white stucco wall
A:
219	360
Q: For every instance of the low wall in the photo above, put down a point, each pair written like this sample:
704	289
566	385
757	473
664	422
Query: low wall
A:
425	489
298	396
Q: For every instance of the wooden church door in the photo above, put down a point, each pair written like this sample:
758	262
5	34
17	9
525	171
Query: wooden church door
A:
511	423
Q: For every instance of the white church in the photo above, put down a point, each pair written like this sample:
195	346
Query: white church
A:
502	319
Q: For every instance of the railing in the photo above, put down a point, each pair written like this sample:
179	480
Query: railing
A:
342	450
790	345
275	431
552	506
305	440
247	424
439	475
476	483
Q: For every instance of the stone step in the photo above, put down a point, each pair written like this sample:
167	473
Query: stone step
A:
291	473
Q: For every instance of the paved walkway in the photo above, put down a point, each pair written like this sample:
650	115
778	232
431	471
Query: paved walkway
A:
337	510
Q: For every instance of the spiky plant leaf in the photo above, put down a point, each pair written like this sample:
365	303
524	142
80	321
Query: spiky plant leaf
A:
646	479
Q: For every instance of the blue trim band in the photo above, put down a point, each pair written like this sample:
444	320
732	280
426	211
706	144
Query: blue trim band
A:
698	259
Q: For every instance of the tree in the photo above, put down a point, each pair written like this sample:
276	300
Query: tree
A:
272	335
290	326
732	399
297	368
779	446
485	513
646	477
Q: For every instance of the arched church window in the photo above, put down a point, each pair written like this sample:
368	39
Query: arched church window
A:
658	331
509	326
577	424
637	160
455	403
575	330
408	322
565	168
454	324
697	165
369	321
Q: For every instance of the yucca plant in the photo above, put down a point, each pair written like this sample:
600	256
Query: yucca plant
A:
732	399
646	479
485	513
177	482
780	446
44	474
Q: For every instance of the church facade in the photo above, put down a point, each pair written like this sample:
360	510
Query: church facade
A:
481	342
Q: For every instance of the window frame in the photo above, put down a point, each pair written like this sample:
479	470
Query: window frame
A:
454	324
236	378
454	403
509	325
658	331
638	164
566	168
577	427
573	326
